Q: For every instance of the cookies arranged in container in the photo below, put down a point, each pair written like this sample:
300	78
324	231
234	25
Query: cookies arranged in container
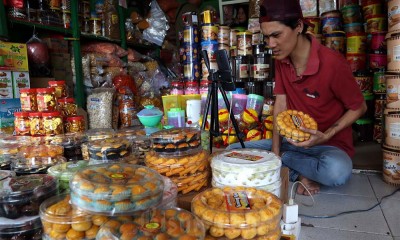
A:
245	167
172	223
21	228
109	149
63	172
239	213
114	189
188	172
61	220
289	123
176	140
22	196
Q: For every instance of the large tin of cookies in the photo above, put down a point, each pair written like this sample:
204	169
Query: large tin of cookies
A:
171	223
391	166
239	213
254	166
116	189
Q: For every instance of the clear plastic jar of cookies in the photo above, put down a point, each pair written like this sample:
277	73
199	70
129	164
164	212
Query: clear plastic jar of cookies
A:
60	87
46	99
52	123
28	99
21	124
8	152
36	124
239	213
67	106
75	124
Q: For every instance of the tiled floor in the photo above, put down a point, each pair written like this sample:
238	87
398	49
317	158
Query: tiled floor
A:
361	192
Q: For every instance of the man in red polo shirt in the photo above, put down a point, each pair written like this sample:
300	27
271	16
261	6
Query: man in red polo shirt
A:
318	81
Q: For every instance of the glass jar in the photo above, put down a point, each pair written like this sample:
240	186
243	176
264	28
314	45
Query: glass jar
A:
67	106
95	26
192	88
52	123
36	124
28	99
21	124
75	124
46	99
176	88
60	88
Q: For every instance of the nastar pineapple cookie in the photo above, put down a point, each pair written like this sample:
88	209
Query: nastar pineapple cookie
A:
289	123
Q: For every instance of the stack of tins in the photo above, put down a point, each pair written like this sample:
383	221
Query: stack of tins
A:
316	30
209	42
332	30
190	55
391	117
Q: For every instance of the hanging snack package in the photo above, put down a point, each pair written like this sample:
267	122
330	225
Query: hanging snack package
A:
158	22
99	107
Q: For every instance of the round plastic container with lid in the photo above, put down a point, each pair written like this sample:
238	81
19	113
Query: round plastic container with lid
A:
52	123
176	141
63	172
36	124
34	165
41	151
46	99
61	220
109	149
67	106
4	174
140	142
21	124
28	99
245	167
21	196
75	124
170	194
71	143
150	116
100	133
116	189
274	188
21	228
171	223
177	88
239	213
8	153
60	88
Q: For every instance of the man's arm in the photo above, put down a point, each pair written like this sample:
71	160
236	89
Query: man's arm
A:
279	106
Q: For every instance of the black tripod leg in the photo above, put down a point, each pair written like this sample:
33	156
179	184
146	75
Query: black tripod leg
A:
234	123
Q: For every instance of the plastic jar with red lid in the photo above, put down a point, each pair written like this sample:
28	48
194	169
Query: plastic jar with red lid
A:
177	88
67	106
46	99
28	99
52	123
36	124
60	88
191	88
75	124
21	124
204	87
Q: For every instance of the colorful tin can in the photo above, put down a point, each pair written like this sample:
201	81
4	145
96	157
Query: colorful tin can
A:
377	61
209	32
379	80
190	35
357	61
351	14
233	38
371	8
376	23
189	54
317	25
356	42
331	21
191	71
336	41
211	48
224	35
393	15
244	43
353	27
378	42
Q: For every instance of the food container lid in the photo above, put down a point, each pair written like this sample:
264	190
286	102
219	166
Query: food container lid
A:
65	140
21	114
35	114
58	209
249	160
15	227
66	100
133	133
75	118
27	90
149	110
176	141
100	133
176	83
233	203
9	139
120	188
45	90
26	186
41	151
170	192
35	164
192	84
66	170
51	114
109	148
178	222
6	174
57	83
269	188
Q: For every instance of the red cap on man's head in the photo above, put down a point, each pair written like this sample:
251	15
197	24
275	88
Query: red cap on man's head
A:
279	10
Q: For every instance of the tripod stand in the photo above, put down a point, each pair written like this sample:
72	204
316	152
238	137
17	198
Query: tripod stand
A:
220	80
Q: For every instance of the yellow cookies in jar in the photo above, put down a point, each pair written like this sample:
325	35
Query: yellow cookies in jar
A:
239	213
289	123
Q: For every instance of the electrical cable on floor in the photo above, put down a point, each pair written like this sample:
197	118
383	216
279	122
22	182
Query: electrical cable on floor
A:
291	194
352	211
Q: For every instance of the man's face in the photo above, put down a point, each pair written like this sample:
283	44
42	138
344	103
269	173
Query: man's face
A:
280	38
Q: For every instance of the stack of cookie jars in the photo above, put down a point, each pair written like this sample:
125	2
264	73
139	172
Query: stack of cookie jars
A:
248	168
177	153
20	198
239	213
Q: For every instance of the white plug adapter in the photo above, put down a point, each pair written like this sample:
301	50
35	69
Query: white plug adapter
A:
290	212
